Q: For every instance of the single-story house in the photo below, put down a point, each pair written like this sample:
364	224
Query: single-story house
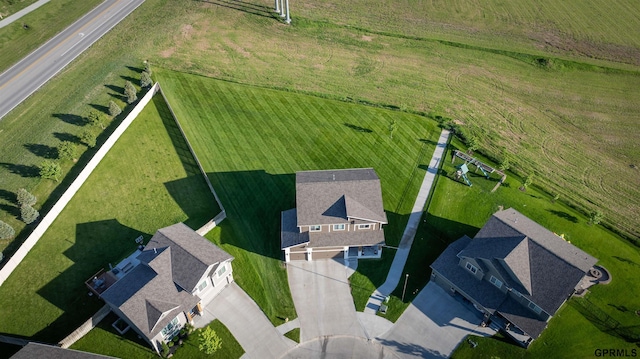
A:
514	271
164	285
339	214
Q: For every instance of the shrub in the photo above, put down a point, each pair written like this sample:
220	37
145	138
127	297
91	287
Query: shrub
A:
28	214
595	217
114	109
6	231
89	138
130	92
145	79
67	150
25	198
50	170
96	119
209	341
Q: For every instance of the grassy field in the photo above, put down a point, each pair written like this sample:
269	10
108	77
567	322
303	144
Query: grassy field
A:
575	28
147	181
9	7
251	141
44	22
574	125
105	340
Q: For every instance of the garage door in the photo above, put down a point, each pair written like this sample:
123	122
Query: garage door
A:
297	256
327	254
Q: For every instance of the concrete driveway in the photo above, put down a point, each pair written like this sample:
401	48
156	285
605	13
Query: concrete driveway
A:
339	347
322	297
248	324
432	326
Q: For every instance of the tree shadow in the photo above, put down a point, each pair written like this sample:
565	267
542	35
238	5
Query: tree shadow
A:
358	128
620	308
100	108
428	142
11	209
564	215
21	170
138	70
71	119
8	196
411	349
626	260
44	151
63	136
95	246
116	89
118	96
130	79
249	8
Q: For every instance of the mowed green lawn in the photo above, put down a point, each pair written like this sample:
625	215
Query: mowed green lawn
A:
147	181
105	340
457	209
251	141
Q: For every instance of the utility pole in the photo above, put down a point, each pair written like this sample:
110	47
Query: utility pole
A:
288	19
405	285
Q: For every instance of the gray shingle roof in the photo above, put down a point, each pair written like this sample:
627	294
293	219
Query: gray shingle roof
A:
159	288
481	291
522	317
191	254
36	350
532	260
333	196
290	235
346	238
143	294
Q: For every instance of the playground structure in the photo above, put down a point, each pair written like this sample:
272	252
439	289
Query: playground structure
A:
463	169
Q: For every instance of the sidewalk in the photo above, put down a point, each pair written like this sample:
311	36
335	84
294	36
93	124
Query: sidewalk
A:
11	18
375	300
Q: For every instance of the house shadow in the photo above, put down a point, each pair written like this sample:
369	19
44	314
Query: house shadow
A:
253	201
564	215
71	119
97	244
193	196
246	7
44	151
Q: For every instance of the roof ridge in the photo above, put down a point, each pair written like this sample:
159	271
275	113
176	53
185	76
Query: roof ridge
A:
178	244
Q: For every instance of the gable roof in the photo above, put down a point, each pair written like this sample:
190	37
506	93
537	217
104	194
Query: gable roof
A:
37	350
159	288
191	254
532	260
335	196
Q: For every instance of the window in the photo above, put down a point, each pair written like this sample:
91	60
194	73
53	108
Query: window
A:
364	226
171	329
338	227
316	228
202	285
535	308
495	281
222	270
472	268
516	293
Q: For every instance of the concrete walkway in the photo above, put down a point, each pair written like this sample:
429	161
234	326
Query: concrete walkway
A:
395	272
11	18
432	326
248	324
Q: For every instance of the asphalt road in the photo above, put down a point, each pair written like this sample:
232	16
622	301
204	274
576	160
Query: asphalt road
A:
28	75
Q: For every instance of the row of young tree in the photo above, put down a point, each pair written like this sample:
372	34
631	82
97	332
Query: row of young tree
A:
69	151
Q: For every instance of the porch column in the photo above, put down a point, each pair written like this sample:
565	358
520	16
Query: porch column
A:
277	6
309	254
346	252
287	255
282	8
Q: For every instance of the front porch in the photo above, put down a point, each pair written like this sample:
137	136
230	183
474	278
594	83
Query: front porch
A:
364	252
511	330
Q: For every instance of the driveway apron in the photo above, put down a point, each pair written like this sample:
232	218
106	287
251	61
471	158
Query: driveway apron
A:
322	297
432	326
248	324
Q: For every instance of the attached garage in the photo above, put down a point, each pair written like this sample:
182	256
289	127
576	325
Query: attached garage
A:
297	256
327	254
